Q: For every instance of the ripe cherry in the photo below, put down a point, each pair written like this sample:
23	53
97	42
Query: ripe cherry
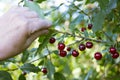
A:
90	26
83	29
52	40
112	50
82	47
115	55
89	44
44	70
68	48
63	53
75	53
61	46
97	55
24	73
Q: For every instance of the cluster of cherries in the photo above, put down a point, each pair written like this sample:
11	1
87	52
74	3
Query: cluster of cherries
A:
75	53
89	27
82	47
61	48
113	52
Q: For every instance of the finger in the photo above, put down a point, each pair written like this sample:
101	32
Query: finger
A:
31	14
34	36
38	24
19	9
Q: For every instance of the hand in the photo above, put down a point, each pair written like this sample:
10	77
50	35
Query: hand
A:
19	27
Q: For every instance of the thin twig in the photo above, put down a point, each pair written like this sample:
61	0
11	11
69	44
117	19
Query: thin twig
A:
85	38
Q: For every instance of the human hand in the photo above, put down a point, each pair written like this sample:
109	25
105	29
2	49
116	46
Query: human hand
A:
19	27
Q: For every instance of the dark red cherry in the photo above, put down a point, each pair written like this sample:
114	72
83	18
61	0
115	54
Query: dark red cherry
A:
83	29
52	40
112	50
82	47
89	44
68	48
115	55
75	53
97	55
90	26
63	53
44	70
61	46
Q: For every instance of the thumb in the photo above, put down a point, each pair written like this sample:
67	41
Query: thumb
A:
33	37
39	24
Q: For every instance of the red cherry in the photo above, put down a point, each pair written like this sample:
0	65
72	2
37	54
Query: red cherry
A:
90	26
112	50
115	55
24	73
82	47
75	53
63	53
97	55
61	46
52	40
83	29
68	48
89	44
44	70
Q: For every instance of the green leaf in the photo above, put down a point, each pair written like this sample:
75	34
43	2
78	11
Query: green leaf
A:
35	7
41	38
39	1
44	41
4	75
76	21
112	4
89	1
51	69
86	33
22	77
98	21
59	76
41	62
25	56
88	74
103	4
29	68
107	5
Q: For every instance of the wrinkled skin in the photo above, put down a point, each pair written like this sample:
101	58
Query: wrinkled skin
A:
19	27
